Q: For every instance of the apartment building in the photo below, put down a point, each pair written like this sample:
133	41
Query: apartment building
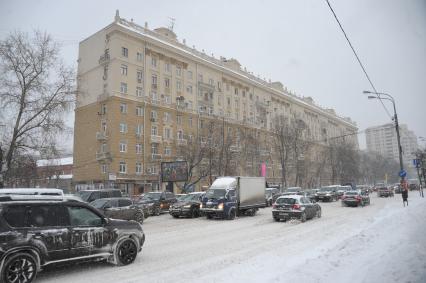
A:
383	139
143	94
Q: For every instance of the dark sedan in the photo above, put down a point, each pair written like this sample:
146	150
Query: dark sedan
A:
120	208
187	206
157	202
295	207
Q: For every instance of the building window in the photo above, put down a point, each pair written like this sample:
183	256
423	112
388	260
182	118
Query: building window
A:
228	99
219	86
154	130
104	148
168	151
104	109
154	148
180	135
200	77
179	119
139	56
139	111
123	128
124	52
201	124
178	85
138	170
190	75
236	91
123	167
189	88
190	121
139	91
153	116
167	99
167	133
166	117
211	82
104	126
104	168
154	62
167	67
139	76
123	88
139	148
167	82
123	146
139	129
178	70
123	108
124	70
154	80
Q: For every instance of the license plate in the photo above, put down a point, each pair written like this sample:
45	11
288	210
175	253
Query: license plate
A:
283	214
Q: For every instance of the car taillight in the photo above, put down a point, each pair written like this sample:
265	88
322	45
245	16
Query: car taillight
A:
358	198
296	206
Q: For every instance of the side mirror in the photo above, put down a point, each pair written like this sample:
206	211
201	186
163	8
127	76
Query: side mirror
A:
105	221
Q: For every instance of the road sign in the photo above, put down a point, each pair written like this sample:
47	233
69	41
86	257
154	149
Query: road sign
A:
416	163
402	174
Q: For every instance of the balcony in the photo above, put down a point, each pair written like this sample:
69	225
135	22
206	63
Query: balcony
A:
103	155
205	86
156	139
155	157
101	136
138	135
181	142
104	59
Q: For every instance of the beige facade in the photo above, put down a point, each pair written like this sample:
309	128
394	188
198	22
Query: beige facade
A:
142	94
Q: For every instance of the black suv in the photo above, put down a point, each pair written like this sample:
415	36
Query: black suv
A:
36	233
158	202
91	195
328	193
188	206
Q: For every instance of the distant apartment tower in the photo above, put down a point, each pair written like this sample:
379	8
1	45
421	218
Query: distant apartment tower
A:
142	95
383	139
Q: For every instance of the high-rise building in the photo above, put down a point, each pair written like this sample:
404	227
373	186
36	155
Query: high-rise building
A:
143	96
383	139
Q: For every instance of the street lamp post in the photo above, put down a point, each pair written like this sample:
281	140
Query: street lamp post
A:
398	137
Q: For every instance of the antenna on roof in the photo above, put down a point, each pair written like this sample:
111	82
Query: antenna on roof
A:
172	23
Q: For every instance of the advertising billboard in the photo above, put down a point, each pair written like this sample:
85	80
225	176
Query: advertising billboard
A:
176	171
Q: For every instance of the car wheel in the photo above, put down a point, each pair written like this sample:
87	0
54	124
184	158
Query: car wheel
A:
20	267
157	211
175	216
126	252
194	213
139	217
208	216
303	217
231	215
276	219
319	213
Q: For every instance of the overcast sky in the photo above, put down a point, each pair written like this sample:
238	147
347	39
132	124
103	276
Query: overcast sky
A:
297	42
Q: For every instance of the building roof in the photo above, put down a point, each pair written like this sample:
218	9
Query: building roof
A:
55	162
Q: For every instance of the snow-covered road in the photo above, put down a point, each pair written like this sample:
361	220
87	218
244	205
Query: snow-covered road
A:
383	242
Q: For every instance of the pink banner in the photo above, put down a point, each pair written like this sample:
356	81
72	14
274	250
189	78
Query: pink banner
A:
263	170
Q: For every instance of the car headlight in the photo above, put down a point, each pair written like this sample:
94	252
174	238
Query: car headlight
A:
201	205
187	206
327	194
220	206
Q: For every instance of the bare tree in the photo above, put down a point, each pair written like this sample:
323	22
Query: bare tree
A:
343	160
35	91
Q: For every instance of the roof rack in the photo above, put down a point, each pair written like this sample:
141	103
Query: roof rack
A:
11	197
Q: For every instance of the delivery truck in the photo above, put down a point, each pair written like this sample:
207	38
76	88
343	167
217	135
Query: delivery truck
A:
229	197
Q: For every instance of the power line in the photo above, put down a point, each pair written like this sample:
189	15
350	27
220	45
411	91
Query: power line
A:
359	60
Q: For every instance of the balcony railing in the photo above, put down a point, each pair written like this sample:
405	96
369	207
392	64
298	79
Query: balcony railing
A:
155	156
101	136
103	155
181	142
156	139
104	59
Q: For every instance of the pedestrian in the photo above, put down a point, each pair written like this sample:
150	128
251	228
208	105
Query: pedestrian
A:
404	193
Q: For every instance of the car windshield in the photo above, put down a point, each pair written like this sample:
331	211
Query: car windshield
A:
351	193
151	196
84	195
215	193
293	190
181	197
286	201
190	197
326	189
99	203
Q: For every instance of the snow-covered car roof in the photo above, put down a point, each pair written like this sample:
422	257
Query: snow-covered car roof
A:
290	196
